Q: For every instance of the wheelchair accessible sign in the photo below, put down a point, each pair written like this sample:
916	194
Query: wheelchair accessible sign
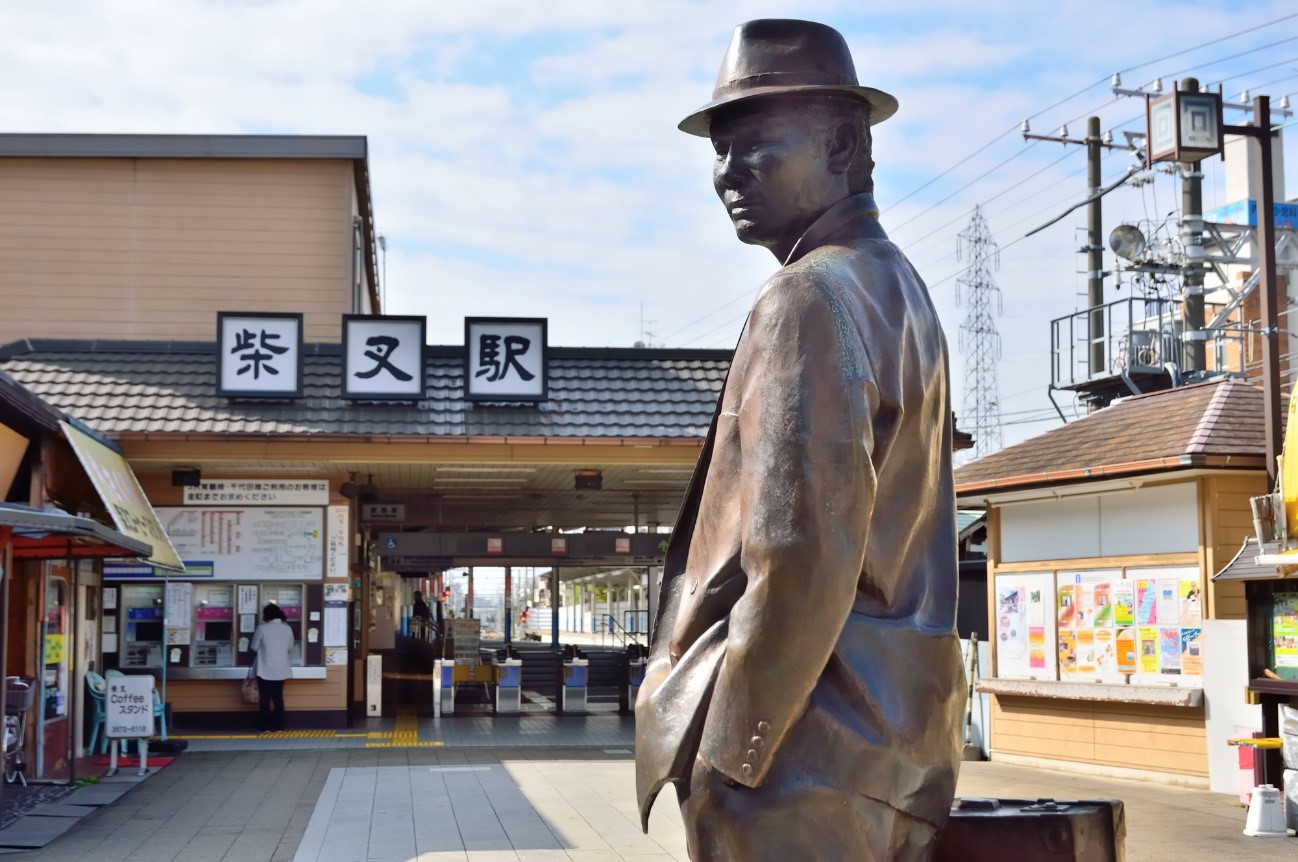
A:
128	708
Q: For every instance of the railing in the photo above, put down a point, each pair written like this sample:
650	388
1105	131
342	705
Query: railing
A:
609	625
1134	337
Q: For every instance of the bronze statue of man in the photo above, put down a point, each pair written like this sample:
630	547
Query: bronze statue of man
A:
805	689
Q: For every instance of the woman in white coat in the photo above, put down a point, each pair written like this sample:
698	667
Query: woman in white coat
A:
273	643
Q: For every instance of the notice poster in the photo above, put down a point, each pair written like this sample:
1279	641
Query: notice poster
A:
1284	630
1146	595
1192	652
1124	603
1148	637
1086	661
1067	606
1169	650
1011	621
1106	655
1191	603
1101	605
1037	647
1126	649
1067	651
1169	602
1036	615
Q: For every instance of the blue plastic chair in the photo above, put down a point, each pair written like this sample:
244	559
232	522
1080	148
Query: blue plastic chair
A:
159	711
97	687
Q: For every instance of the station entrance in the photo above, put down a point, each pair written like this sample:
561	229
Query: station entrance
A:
512	623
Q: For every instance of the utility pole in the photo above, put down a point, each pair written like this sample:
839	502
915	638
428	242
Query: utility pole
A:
1095	145
1192	270
1094	247
979	341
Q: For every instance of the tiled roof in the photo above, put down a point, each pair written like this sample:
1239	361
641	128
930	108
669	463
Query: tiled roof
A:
169	387
1219	422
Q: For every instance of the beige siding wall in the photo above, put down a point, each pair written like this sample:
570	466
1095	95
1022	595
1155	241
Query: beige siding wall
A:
1228	518
153	248
1159	739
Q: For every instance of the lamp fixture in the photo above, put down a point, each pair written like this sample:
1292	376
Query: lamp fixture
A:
588	480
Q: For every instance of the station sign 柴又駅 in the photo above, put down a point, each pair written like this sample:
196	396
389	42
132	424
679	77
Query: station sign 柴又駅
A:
261	355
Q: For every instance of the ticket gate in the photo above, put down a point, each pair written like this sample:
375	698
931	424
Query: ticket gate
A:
509	686
576	672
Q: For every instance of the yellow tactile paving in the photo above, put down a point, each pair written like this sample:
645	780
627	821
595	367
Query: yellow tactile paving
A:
404	735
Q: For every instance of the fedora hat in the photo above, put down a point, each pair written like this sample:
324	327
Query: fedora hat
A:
773	55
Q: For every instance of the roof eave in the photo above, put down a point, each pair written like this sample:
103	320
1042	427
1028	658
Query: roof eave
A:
1084	474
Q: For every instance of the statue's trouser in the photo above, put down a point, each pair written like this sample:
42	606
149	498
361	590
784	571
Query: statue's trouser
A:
786	820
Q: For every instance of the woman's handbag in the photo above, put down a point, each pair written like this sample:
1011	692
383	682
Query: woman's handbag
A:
249	687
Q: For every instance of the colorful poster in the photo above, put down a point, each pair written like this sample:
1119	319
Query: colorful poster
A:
1086	661
1123	604
1068	606
1146	593
1106	656
1011	626
1192	652
1284	629
1037	647
1067	651
1101	605
1169	602
1126	650
1169	650
1191	603
1148	649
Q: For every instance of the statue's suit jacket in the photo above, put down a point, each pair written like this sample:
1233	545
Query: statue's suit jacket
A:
805	631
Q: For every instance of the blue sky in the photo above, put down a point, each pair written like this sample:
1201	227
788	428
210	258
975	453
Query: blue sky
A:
525	160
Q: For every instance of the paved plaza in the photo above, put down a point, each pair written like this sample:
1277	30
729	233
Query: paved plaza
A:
383	797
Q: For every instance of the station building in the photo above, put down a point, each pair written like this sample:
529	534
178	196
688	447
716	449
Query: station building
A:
204	301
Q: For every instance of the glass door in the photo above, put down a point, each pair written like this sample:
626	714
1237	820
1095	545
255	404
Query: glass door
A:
54	742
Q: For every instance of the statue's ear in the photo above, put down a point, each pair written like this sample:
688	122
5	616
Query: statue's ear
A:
843	145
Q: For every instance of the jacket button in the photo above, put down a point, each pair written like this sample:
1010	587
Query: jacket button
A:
757	742
763	726
746	770
692	585
752	754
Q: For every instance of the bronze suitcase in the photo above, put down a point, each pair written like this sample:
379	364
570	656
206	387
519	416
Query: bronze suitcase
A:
1044	830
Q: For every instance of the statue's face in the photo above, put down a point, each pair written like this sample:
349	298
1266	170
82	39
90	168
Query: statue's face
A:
772	172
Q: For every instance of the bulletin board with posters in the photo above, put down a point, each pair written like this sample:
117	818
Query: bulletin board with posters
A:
1025	628
1169	624
1142	626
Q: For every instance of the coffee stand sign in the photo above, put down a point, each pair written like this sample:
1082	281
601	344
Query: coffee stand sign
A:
128	714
